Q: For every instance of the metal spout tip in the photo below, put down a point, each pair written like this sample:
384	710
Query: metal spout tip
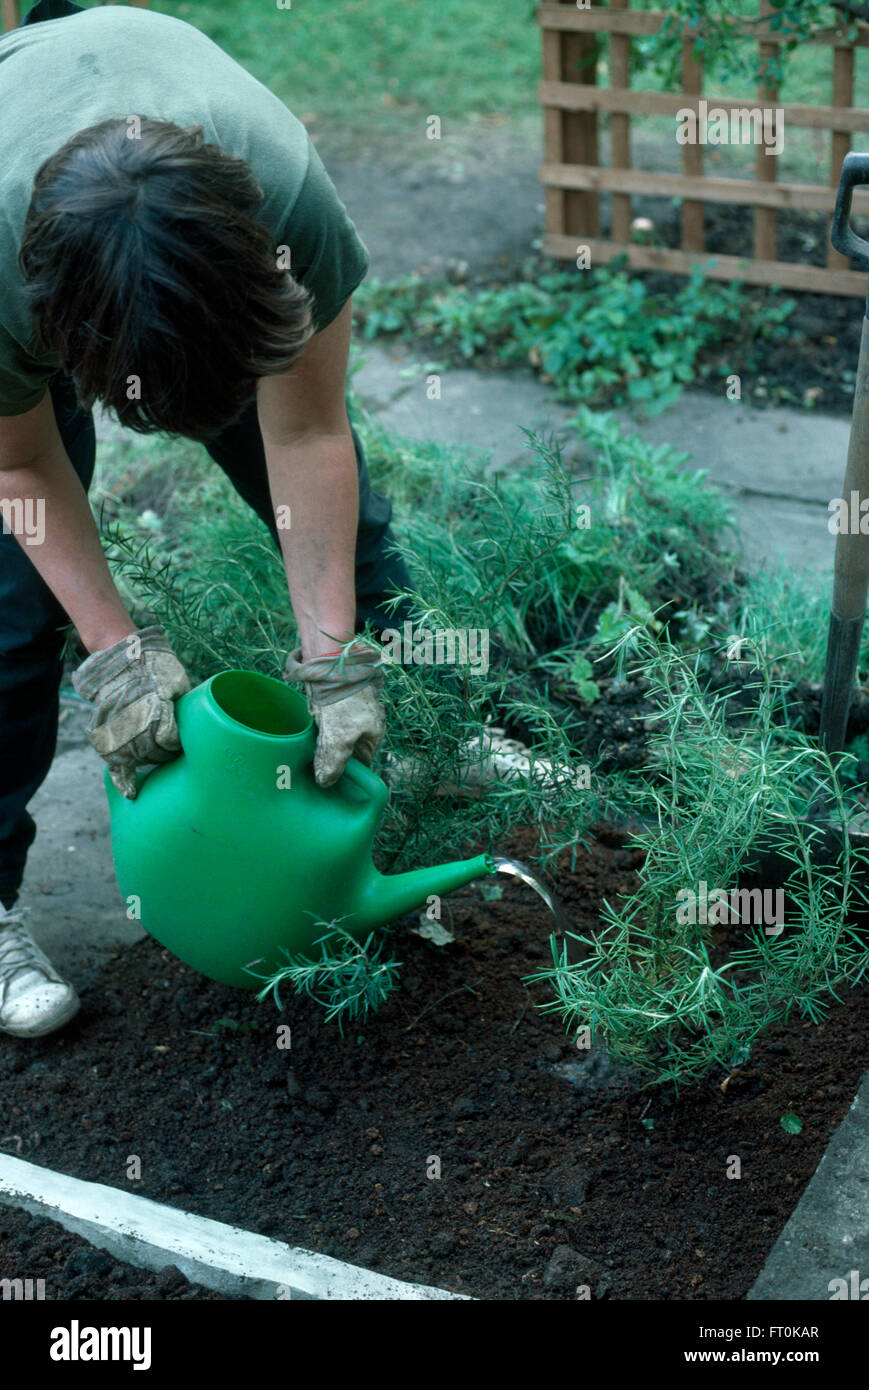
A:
520	870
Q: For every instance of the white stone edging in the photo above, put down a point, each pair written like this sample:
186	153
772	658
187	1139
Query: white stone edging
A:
225	1258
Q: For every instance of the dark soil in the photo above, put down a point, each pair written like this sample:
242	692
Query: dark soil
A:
545	1184
612	733
819	353
32	1247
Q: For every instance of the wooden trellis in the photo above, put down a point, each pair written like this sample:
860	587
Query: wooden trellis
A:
11	11
572	101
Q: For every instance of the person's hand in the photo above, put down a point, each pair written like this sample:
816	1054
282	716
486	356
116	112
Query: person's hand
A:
342	690
132	686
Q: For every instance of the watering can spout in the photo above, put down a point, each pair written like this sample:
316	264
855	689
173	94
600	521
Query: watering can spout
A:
391	895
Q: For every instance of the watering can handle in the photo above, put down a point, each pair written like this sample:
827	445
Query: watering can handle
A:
367	781
855	171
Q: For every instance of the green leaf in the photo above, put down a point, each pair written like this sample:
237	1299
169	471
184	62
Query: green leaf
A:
639	388
791	1124
581	670
581	674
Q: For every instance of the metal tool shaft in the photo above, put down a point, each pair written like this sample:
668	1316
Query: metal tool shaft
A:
851	570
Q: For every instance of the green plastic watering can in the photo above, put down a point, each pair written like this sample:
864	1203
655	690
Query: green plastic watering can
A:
232	855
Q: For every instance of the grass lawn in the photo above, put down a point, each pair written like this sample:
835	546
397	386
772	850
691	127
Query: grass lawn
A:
379	62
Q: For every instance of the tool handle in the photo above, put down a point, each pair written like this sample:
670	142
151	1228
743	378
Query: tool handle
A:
855	171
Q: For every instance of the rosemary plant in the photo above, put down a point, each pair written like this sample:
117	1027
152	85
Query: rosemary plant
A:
679	995
348	980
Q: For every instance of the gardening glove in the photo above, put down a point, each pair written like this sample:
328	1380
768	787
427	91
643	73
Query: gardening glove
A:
343	697
132	686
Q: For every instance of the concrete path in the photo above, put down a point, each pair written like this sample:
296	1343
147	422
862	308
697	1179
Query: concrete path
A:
474	195
781	466
76	911
823	1251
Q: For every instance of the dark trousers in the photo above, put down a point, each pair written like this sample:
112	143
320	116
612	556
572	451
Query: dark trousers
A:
32	621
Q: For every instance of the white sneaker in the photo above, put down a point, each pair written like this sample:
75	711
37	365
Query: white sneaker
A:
34	1000
490	757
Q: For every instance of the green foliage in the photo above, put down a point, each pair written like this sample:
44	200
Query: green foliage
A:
199	561
502	556
801	605
506	556
679	997
581	673
348	980
369	67
729	50
600	335
791	1124
215	623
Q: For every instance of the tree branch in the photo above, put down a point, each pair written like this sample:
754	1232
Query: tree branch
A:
850	7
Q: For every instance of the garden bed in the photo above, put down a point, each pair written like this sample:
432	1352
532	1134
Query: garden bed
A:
546	1183
815	365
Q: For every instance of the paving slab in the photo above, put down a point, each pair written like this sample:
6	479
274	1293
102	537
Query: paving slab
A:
780	466
472	195
798	455
76	912
482	411
823	1251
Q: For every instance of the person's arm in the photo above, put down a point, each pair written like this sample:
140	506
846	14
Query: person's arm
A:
312	474
313	478
35	468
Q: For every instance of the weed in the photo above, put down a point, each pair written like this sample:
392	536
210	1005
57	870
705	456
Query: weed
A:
601	337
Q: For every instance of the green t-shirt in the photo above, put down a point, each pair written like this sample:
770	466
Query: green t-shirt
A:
60	76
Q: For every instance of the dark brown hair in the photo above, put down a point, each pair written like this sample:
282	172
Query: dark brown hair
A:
142	257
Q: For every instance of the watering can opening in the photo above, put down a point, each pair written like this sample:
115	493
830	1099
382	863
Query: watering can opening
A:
260	703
